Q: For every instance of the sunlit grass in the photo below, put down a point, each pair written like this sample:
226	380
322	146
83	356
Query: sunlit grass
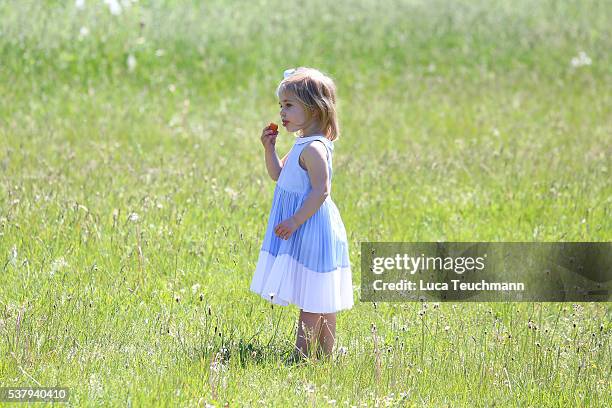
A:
134	196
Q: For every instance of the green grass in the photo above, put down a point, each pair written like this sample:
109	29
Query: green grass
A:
461	121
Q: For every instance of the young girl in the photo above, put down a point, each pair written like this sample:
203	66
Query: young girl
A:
304	257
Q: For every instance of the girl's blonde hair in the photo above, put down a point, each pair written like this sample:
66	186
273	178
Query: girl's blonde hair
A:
317	93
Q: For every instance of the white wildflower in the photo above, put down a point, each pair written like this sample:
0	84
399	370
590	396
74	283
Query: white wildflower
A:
581	60
195	288
83	32
13	257
231	192
58	264
95	386
133	217
114	7
217	366
131	62
175	120
79	4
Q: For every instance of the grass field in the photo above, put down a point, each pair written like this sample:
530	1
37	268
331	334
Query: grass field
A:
134	195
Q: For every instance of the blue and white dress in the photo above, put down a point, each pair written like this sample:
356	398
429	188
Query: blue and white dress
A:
311	269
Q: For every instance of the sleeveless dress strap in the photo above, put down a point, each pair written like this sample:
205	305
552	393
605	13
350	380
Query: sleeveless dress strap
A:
328	144
300	140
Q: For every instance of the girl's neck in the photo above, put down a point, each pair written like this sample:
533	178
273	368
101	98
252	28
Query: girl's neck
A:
313	130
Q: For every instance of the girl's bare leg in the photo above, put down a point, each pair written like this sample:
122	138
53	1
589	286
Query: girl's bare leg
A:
316	330
309	330
328	333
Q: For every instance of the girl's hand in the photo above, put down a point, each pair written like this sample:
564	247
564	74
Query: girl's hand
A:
268	137
286	228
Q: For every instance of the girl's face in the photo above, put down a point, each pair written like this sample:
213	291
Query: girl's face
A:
292	113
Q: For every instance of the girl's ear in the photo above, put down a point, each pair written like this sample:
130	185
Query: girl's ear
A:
310	118
315	115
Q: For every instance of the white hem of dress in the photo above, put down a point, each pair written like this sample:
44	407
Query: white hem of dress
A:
290	282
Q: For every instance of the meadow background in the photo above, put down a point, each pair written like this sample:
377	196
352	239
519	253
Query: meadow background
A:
134	195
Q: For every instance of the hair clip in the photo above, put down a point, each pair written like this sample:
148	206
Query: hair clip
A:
288	72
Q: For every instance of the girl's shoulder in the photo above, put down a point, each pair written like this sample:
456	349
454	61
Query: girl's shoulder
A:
316	146
314	150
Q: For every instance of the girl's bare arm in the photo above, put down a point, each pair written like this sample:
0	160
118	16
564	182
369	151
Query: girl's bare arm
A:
273	164
315	158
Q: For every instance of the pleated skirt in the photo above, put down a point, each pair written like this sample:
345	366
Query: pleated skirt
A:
311	269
